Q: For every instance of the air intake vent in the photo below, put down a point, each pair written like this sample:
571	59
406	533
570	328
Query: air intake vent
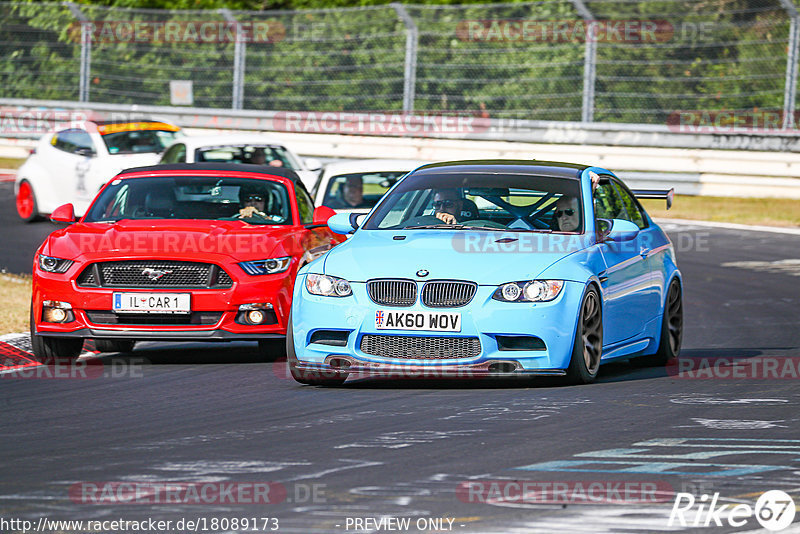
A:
154	274
420	347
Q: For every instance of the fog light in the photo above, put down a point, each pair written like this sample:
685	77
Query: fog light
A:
55	315
256	313
255	316
54	311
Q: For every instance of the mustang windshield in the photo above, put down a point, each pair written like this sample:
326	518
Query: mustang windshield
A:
508	202
193	197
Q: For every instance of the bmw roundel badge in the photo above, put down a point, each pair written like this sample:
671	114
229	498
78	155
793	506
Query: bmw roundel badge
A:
422	273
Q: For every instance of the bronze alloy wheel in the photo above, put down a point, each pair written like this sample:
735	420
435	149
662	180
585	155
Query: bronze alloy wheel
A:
592	332
587	348
674	317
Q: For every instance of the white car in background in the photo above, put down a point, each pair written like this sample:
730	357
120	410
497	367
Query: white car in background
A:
338	185
72	164
242	148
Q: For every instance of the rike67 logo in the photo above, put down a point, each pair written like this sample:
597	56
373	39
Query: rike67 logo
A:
774	510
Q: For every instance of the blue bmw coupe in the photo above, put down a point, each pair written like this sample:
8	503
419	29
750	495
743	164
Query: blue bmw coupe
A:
490	268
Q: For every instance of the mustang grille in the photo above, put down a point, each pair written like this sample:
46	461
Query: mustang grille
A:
174	274
448	293
420	348
387	292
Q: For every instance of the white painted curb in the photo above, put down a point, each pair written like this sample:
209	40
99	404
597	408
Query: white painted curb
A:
731	226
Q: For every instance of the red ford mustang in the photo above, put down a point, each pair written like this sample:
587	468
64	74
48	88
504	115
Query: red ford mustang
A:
200	252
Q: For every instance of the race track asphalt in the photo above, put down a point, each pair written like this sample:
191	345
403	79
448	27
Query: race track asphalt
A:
215	414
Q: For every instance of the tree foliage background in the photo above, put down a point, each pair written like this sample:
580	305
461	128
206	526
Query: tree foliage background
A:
721	55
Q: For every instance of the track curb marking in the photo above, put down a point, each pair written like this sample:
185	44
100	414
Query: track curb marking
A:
731	226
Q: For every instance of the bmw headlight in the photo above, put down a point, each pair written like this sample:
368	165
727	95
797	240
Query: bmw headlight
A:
529	291
269	266
328	286
54	265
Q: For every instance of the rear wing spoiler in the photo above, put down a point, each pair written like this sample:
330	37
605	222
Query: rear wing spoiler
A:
668	195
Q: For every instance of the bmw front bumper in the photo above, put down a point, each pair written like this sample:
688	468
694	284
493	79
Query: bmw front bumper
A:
329	335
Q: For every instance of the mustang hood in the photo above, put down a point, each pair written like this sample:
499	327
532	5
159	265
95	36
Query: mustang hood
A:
489	258
193	241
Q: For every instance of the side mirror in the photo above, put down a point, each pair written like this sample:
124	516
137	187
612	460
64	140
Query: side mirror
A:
63	214
321	216
313	164
344	223
84	151
621	230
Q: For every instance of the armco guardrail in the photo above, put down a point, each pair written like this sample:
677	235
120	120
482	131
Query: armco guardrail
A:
644	155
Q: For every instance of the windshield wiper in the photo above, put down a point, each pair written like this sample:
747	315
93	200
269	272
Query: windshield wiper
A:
436	227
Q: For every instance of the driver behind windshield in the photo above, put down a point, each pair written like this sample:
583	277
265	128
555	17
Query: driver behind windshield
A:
253	204
447	204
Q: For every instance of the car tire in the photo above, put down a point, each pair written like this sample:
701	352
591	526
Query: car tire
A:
271	349
27	207
47	349
587	348
114	345
671	330
310	378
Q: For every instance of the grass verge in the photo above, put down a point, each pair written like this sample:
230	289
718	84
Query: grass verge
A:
759	211
16	307
11	163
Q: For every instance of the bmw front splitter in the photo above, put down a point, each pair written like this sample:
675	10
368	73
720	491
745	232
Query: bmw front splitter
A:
337	365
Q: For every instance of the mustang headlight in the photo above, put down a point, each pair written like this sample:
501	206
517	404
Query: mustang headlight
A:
529	291
270	266
54	265
328	286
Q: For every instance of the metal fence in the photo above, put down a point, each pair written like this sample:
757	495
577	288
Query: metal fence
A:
628	61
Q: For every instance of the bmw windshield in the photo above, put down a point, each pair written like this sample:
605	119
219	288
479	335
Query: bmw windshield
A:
506	202
191	197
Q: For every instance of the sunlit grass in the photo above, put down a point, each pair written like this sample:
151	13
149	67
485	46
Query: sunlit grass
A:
14	313
11	163
759	211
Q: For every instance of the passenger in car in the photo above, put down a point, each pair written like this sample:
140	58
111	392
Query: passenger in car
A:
566	214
